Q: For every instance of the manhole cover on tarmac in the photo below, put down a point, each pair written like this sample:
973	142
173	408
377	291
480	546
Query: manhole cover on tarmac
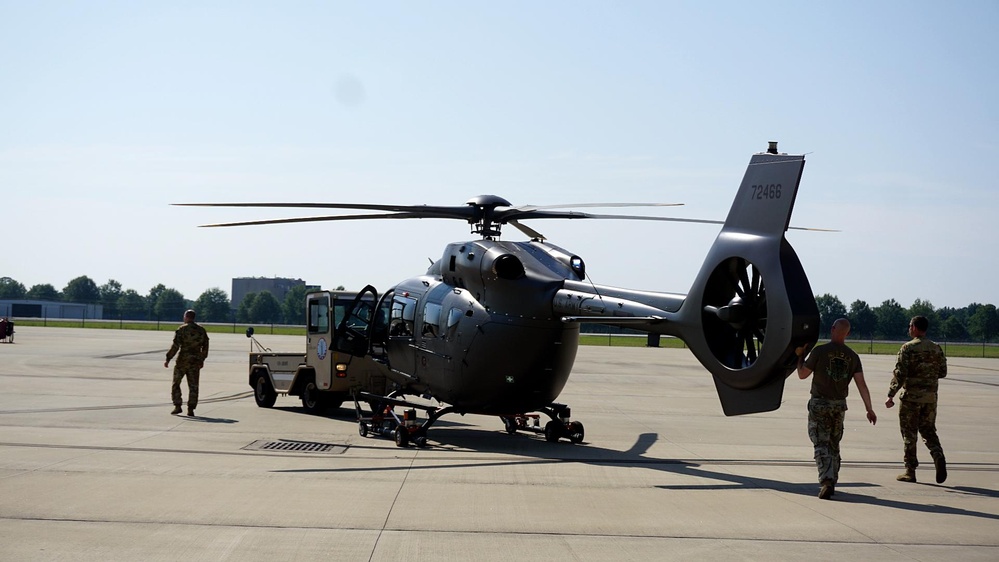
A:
289	446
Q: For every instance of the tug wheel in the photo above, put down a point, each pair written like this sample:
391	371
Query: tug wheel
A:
362	429
263	394
420	441
312	400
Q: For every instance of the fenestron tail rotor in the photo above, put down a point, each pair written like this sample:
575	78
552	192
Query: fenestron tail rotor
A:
735	313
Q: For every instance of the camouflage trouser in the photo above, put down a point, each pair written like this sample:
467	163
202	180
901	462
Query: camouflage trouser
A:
825	429
918	417
191	367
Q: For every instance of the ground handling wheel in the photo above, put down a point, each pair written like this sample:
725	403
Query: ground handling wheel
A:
401	436
362	429
576	432
553	430
509	424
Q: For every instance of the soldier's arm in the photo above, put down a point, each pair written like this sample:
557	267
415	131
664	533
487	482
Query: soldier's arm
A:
204	349
943	365
865	395
173	348
803	371
898	375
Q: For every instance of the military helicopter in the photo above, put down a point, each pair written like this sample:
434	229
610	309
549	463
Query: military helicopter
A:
492	327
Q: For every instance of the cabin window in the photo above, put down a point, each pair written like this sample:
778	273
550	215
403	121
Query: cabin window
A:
453	317
402	316
431	319
319	317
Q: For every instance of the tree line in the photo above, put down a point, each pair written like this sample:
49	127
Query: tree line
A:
890	320
166	304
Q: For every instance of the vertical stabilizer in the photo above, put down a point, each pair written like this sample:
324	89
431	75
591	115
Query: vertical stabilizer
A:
751	304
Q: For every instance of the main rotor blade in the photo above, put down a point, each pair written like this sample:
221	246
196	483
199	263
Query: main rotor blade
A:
582	205
507	216
575	215
459	212
327	218
501	215
530	232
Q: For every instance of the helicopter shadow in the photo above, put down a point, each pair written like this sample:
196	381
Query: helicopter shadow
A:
535	451
203	419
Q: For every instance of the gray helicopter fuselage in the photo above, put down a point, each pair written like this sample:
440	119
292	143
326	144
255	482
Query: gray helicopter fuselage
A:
479	331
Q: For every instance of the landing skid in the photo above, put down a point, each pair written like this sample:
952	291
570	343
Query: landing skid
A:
559	426
406	429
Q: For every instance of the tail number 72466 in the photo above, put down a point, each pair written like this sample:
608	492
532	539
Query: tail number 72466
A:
771	191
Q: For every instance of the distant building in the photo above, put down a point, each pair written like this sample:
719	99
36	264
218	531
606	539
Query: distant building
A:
55	310
277	286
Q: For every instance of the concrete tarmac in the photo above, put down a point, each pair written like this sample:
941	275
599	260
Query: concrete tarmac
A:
94	467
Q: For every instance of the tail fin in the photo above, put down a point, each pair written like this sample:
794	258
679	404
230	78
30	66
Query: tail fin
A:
751	304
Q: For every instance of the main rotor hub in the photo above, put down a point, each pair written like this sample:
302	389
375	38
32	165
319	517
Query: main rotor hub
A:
483	221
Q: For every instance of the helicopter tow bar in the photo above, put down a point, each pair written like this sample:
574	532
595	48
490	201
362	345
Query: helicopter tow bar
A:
559	426
386	422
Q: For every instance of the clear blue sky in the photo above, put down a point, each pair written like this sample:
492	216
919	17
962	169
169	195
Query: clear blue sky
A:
110	111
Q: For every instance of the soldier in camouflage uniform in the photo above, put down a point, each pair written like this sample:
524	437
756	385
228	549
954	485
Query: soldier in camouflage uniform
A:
191	341
834	365
921	363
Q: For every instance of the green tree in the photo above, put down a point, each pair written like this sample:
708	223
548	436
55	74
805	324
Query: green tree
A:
952	329
265	309
243	312
82	289
11	289
132	306
152	297
110	293
170	305
42	292
893	321
830	310
294	305
925	308
984	323
213	306
862	319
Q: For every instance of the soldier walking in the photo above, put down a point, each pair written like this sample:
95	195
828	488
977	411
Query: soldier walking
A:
834	365
920	365
190	345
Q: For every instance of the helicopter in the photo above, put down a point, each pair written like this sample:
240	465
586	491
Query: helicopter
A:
492	327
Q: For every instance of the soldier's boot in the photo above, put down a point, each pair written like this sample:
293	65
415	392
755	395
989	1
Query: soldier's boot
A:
827	490
176	410
908	476
941	465
190	411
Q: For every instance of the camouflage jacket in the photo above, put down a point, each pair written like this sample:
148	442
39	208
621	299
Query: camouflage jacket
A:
191	340
920	364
